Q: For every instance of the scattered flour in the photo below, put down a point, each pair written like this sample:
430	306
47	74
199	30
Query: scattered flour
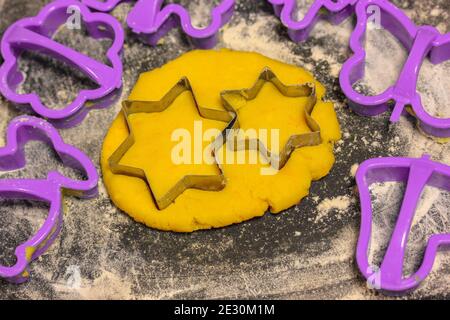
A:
301	274
258	39
353	170
200	11
340	204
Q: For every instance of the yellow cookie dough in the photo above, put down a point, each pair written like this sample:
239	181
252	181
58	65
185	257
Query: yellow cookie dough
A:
247	193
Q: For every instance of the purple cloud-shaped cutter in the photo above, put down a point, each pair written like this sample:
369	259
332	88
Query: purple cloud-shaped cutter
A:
334	11
416	173
50	190
152	19
421	42
34	33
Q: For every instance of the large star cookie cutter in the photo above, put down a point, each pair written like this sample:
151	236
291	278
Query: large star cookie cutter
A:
334	11
153	19
34	33
49	190
200	182
417	173
421	42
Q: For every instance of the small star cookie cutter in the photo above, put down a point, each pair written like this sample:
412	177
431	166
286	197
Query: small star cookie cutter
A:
200	182
50	190
153	19
307	90
417	173
420	41
334	11
35	33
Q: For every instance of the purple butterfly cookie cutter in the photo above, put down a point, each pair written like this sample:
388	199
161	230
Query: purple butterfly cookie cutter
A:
152	19
49	190
334	11
34	34
421	42
417	173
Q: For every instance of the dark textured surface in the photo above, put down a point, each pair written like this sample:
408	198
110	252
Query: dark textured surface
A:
305	252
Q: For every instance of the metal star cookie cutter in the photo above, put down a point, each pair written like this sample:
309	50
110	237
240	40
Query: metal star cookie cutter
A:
34	33
200	182
417	173
307	90
420	41
153	20
334	11
50	190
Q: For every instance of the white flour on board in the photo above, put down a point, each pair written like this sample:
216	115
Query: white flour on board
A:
303	273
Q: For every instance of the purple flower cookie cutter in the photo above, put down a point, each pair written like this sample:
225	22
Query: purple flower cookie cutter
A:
50	190
334	11
417	173
421	42
34	33
152	19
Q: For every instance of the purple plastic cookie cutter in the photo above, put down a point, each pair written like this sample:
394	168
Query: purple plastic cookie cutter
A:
49	190
35	34
417	173
421	42
152	19
334	11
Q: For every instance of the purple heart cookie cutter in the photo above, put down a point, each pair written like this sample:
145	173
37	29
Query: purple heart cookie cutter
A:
50	190
417	173
421	42
334	11
34	33
152	19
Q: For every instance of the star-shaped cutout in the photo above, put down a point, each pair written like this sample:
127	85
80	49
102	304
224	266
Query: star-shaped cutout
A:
232	101
206	182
